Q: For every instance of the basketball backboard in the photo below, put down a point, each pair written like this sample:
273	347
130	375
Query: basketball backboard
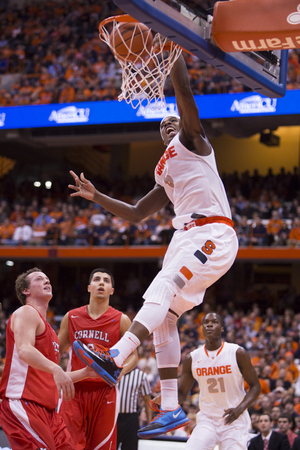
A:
265	74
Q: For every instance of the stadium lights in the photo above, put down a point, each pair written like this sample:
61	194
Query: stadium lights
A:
48	184
37	184
10	263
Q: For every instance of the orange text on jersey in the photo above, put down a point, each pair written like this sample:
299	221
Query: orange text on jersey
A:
169	153
219	370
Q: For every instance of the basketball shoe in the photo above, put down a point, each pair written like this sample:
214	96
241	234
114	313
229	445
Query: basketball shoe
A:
100	360
163	422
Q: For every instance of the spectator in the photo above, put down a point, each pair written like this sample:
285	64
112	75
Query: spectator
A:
273	227
22	233
275	414
285	423
291	366
259	233
268	438
254	423
297	427
283	235
17	214
43	216
66	230
6	232
81	230
294	234
243	231
53	234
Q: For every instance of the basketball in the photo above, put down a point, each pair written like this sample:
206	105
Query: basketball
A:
131	39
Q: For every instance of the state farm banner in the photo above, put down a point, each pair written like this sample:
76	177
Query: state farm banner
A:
256	25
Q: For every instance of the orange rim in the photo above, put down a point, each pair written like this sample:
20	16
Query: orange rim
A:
121	18
127	18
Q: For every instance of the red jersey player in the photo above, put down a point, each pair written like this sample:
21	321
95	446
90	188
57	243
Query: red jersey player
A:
91	417
32	380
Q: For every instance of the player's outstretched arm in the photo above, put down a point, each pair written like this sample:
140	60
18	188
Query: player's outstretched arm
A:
192	134
155	200
250	376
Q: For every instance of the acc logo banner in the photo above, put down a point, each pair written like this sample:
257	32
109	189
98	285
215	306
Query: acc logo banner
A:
158	112
255	104
70	114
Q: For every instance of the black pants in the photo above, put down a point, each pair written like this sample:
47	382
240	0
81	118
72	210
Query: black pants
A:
127	427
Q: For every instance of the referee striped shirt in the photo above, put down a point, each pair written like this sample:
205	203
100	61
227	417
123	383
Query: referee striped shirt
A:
130	386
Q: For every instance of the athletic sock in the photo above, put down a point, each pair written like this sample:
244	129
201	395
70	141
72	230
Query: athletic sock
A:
169	394
126	345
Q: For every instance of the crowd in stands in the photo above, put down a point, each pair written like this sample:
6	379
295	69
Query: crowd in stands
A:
55	49
265	211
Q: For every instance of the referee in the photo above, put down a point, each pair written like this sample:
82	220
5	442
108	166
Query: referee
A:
131	386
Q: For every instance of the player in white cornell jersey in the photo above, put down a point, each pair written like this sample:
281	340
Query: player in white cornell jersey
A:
203	247
220	369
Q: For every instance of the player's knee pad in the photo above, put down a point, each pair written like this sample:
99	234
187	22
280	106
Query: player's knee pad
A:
167	343
160	292
152	315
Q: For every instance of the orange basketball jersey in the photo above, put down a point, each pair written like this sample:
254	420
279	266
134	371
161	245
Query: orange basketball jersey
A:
220	380
192	183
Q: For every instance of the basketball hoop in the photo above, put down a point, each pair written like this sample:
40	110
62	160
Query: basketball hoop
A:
143	78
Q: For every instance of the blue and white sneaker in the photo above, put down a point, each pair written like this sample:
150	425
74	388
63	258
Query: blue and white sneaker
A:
100	360
163	422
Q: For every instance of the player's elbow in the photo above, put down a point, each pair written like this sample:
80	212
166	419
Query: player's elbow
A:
23	352
257	389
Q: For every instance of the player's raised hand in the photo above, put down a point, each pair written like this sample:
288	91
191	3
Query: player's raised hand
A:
83	187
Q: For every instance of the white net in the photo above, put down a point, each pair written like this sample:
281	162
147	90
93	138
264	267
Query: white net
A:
143	74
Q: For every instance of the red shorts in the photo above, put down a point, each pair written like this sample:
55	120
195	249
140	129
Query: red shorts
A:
30	426
91	416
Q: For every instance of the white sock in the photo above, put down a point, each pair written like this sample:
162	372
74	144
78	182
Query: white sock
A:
126	345
169	394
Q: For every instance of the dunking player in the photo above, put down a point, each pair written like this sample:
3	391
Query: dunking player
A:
91	415
220	369
32	380
203	247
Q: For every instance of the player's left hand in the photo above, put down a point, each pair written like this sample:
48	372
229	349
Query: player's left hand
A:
231	414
